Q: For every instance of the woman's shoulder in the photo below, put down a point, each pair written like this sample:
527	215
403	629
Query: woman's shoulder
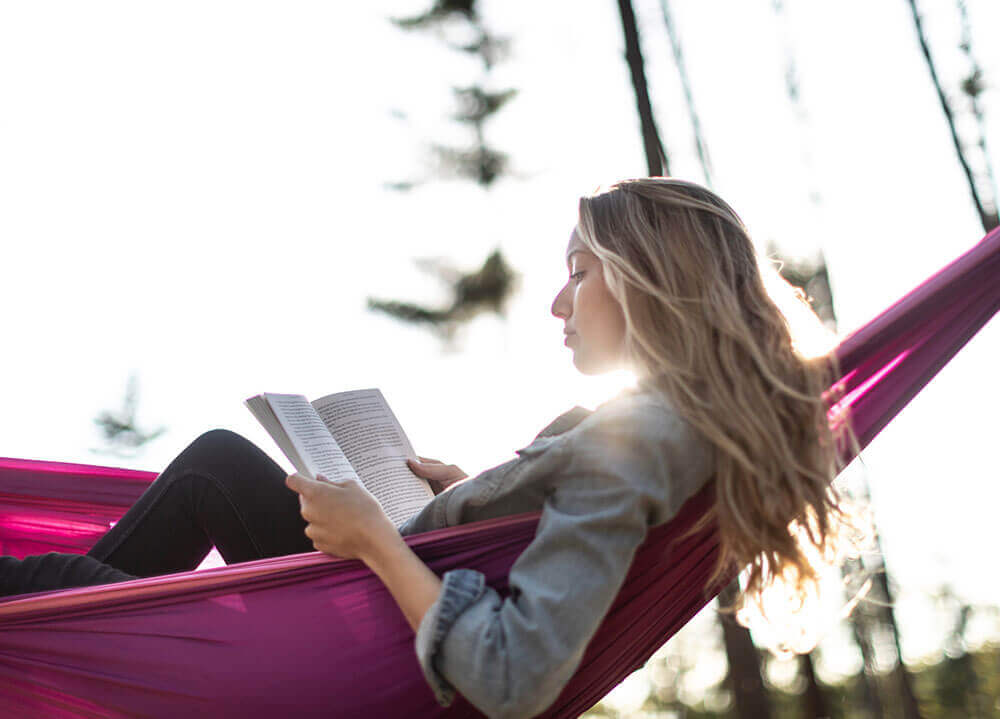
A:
644	414
640	437
633	417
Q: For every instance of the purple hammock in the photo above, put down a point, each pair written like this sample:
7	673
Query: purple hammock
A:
307	635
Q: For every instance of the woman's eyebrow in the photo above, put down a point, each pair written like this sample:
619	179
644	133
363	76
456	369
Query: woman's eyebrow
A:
570	255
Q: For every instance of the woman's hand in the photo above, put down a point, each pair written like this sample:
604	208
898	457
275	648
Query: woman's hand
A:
344	520
439	475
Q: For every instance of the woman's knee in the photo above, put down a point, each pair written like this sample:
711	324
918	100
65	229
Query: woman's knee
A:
226	457
212	452
221	440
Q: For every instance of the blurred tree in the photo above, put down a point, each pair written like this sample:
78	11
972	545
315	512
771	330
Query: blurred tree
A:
814	701
793	91
868	692
744	680
957	687
440	11
812	277
485	290
489	288
699	137
678	667
842	696
875	615
477	105
982	188
972	86
480	163
656	158
887	681
120	429
884	595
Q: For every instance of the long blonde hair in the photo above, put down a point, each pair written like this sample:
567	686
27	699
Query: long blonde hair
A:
702	329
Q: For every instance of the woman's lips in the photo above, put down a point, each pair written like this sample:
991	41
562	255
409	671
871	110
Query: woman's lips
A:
568	336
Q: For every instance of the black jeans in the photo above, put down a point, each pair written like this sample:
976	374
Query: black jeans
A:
221	491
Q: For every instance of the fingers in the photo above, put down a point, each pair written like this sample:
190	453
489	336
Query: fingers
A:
429	460
425	470
298	483
307	487
439	472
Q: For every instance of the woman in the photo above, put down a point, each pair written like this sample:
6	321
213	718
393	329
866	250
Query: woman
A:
663	280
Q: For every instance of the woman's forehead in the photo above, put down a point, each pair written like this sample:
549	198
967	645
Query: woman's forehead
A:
575	245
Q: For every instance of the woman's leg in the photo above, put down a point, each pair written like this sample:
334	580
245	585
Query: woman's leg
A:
43	572
223	491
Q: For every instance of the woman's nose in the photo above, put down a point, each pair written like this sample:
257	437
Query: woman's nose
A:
560	306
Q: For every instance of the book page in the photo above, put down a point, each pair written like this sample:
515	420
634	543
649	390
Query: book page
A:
374	442
315	451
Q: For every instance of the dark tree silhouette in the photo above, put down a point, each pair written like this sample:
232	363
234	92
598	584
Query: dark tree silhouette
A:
972	86
812	277
875	615
814	701
699	136
793	91
477	105
439	11
656	157
120	429
485	290
744	679
958	686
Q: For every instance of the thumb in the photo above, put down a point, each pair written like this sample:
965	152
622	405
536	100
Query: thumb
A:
300	484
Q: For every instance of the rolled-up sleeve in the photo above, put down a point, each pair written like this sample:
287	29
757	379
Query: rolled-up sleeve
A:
511	656
459	589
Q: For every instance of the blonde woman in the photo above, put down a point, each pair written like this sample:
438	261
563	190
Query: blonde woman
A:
662	280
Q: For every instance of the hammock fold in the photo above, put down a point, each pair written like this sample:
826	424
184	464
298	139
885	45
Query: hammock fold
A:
314	636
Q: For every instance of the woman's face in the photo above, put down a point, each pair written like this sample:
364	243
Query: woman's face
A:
594	322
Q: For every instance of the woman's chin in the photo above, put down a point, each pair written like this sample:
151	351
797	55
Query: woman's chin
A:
590	368
589	365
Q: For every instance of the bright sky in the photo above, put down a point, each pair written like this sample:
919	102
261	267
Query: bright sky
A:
193	191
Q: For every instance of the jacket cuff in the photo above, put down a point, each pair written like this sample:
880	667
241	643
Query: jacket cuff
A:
459	589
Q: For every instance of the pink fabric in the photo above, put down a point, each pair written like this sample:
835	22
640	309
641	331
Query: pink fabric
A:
307	635
61	507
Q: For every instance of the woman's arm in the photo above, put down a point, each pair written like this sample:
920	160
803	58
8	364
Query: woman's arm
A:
511	653
414	587
626	468
345	521
509	656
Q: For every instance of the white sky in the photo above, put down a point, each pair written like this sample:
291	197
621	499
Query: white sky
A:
193	191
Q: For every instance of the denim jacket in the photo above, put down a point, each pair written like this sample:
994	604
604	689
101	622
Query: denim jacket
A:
600	480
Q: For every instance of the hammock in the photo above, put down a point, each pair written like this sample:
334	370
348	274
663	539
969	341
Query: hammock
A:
312	636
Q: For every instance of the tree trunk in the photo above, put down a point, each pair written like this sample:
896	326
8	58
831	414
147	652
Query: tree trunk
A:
871	697
814	704
699	138
988	218
902	678
750	698
656	159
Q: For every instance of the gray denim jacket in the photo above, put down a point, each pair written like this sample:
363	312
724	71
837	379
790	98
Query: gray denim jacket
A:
601	480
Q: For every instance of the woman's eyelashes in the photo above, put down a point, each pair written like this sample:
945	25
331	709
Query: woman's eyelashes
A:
576	276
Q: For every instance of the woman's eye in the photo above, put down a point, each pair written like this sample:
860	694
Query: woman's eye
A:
576	276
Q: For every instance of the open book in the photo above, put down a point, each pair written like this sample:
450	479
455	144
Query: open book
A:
347	436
